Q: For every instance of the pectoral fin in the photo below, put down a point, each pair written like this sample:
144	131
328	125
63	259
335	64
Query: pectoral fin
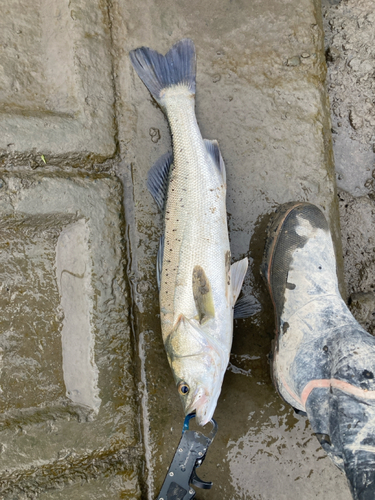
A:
202	293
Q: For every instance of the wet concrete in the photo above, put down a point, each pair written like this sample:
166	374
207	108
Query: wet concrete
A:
349	44
260	92
112	486
68	99
55	429
56	93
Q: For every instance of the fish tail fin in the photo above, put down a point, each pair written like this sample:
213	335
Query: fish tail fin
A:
176	68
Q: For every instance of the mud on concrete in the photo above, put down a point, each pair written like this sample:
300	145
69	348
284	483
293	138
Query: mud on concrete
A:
261	93
350	52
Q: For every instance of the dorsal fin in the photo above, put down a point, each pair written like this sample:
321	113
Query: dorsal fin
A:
202	293
213	150
157	181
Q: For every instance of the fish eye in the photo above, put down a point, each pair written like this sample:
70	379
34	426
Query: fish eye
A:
183	388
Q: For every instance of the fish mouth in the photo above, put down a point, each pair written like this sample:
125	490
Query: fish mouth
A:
203	406
203	418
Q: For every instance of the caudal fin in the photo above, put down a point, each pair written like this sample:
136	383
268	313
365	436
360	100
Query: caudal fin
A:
159	72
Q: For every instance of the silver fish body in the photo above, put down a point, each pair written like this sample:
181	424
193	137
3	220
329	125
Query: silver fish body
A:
198	286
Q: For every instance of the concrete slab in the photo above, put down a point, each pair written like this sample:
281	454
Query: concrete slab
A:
260	92
67	395
56	93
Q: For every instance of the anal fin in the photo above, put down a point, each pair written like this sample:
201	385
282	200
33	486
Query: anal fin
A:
238	271
245	306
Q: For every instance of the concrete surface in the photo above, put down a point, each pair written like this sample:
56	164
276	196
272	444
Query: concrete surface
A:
350	42
65	339
260	93
56	92
88	405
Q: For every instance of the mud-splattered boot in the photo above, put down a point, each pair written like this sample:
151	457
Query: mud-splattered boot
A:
323	361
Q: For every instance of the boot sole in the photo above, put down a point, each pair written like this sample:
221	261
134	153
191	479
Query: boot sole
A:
273	231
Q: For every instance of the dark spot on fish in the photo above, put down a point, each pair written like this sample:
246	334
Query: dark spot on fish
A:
319	267
285	327
368	374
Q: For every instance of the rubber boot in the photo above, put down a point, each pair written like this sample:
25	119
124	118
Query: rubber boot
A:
323	361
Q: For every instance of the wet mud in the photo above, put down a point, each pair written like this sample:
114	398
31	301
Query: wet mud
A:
349	46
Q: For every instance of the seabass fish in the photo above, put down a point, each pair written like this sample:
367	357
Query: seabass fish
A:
197	284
